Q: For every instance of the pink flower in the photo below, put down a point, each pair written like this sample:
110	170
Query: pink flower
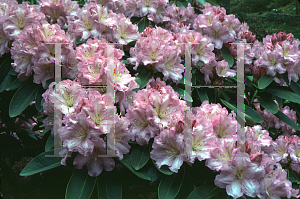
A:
153	51
202	51
168	149
223	69
95	164
280	149
147	6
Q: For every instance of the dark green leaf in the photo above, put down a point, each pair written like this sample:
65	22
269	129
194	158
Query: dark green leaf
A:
143	25
109	187
163	169
182	4
6	82
125	61
50	143
139	156
287	120
253	114
265	81
279	101
141	174
284	94
169	186
135	20
181	93
201	1
268	104
202	94
227	98
12	72
22	98
5	65
295	88
132	43
200	63
41	163
145	77
28	132
222	194
14	85
204	191
38	99
227	55
81	185
152	171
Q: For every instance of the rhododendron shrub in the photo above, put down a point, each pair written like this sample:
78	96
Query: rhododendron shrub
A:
145	126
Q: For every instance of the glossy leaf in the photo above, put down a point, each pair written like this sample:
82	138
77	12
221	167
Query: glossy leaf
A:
38	99
6	82
227	55
202	94
201	1
268	104
143	25
144	79
109	187
41	163
81	185
284	94
50	143
5	66
139	156
265	81
169	186
14	85
287	120
163	169
204	191
200	63
22	98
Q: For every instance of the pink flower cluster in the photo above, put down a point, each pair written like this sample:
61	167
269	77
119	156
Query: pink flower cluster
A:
97	21
99	66
274	122
279	54
84	120
31	51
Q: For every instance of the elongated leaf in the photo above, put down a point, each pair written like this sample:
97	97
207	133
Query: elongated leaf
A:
5	66
268	104
109	187
139	156
135	20
22	98
6	82
204	191
41	163
287	120
265	81
181	4
152	171
202	94
12	72
227	55
141	174
14	85
143	25
145	77
227	98
38	99
253	114
201	1
222	194
50	143
200	63
181	93
295	87
169	186
163	169
81	185
288	95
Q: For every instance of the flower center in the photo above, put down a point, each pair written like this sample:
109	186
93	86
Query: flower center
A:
80	135
225	157
171	153
197	146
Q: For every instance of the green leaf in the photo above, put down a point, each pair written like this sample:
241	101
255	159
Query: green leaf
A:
284	94
144	79
200	63
227	98
143	25
12	72
253	114
204	191
279	101
139	156
265	81
132	43
41	163
152	171
109	186
163	169
14	85
222	194
141	174
6	82
202	94
171	3
182	4
212	2
22	98
125	61
201	1
81	185
181	94
5	66
287	120
135	20
295	88
169	186
38	99
227	55
28	132
50	143
268	104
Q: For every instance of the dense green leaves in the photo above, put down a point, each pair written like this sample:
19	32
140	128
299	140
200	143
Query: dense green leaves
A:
181	4
143	79
109	186
284	94
5	66
169	186
204	191
22	98
287	120
268	104
143	24
81	185
139	156
227	55
265	81
202	94
41	163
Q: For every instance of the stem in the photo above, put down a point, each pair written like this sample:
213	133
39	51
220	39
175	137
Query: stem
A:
255	93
